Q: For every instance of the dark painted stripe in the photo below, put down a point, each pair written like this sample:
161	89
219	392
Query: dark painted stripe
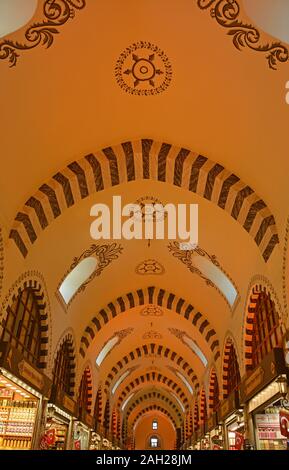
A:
270	247
241	196
209	334
81	178
151	294
97	173
37	206
188	311
104	315
14	235
195	171
121	304
64	182
214	345
112	309
113	166
179	305
211	178
254	209
146	148
96	323
25	220
160	297
131	300
196	318
162	161
129	157
263	228
170	301
50	193
141	296
179	165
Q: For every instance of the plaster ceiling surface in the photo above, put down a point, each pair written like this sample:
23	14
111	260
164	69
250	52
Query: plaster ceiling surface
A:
64	102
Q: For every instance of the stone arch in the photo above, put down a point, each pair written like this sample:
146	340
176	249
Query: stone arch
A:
145	351
203	406
154	296
68	337
154	396
229	345
35	281
152	377
148	160
253	298
213	389
87	376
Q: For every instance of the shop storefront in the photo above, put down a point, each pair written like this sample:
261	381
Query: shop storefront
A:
260	391
60	417
230	415
82	430
214	433
22	392
95	441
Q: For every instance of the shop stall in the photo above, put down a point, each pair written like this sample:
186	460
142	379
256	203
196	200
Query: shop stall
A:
214	433
22	392
95	441
60	417
230	415
82	430
260	391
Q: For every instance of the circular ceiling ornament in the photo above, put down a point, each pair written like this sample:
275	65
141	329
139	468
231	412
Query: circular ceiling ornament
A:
143	69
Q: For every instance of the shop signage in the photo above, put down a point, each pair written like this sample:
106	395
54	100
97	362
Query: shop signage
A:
271	366
64	401
87	419
228	406
12	360
284	423
212	422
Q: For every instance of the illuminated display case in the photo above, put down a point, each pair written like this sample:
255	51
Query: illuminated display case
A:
18	413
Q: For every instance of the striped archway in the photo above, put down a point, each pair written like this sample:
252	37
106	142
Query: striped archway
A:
145	351
154	396
255	297
85	390
151	377
203	407
35	282
156	296
98	406
145	159
231	369
67	341
214	391
196	415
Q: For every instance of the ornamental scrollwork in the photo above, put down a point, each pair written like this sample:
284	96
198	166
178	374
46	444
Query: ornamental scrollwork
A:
227	15
104	254
56	14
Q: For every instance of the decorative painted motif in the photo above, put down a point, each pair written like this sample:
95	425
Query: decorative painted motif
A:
150	266
227	15
186	257
285	267
56	13
152	311
143	69
105	255
152	335
146	214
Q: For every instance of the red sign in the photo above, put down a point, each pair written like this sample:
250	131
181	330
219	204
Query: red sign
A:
284	423
77	445
239	441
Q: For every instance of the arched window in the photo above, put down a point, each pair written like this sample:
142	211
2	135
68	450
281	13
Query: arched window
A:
154	441
22	328
266	328
84	393
231	371
63	371
155	424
